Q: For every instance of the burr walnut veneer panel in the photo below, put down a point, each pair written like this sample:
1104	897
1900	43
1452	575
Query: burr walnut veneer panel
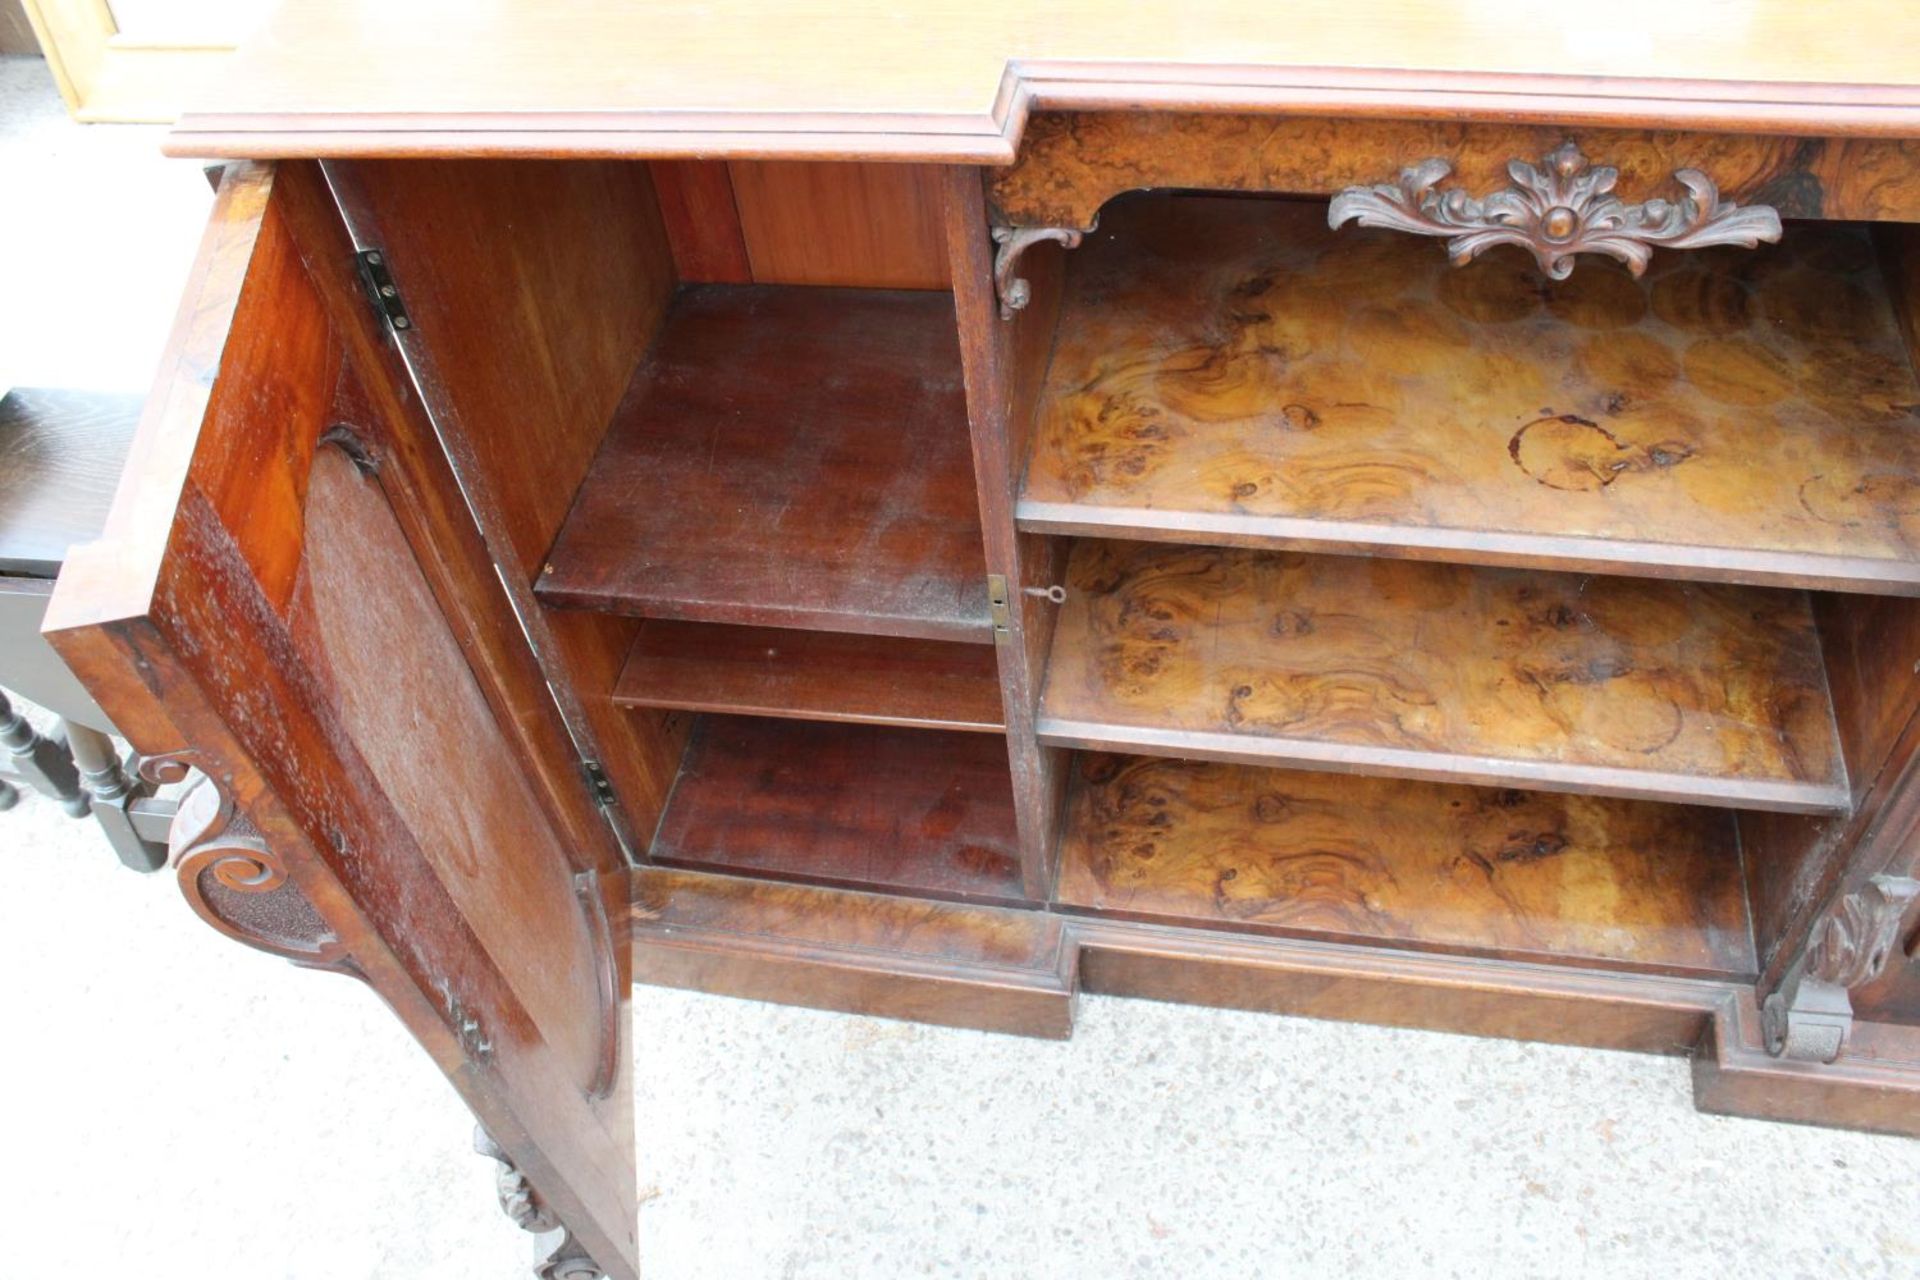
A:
1073	162
1229	370
1619	686
1494	872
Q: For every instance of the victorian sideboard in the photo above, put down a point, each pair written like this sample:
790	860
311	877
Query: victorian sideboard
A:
1396	512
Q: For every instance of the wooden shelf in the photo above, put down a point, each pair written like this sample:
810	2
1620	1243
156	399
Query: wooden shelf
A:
791	457
1700	692
858	806
1229	371
962	965
812	675
1514	874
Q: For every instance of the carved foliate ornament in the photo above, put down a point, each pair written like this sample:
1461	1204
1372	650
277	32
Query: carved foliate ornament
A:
1562	208
566	1259
1811	1015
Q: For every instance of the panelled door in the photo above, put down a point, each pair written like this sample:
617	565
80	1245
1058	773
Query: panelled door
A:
291	598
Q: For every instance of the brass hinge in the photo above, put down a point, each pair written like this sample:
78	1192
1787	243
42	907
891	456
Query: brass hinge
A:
381	290
597	780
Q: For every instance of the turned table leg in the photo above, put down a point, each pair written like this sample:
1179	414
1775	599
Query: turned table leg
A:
45	764
113	795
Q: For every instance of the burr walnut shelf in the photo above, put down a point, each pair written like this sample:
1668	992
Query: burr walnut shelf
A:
856	805
1521	875
812	675
1620	686
1230	371
787	456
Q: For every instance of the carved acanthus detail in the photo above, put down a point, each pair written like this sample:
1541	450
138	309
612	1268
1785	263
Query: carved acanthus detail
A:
1852	945
1555	211
1013	291
566	1259
238	885
1811	1015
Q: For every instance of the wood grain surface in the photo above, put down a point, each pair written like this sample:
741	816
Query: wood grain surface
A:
1608	685
794	79
1072	162
874	226
182	620
60	458
1517	874
812	675
452	775
797	222
1228	370
499	266
1005	363
702	222
952	964
792	457
858	805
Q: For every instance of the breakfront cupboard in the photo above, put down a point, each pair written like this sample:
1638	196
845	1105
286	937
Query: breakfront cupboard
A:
1406	512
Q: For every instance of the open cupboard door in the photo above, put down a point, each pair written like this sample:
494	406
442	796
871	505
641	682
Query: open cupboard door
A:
293	598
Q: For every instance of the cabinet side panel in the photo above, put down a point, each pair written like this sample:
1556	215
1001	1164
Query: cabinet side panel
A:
868	225
534	292
1872	650
703	226
1885	636
1004	363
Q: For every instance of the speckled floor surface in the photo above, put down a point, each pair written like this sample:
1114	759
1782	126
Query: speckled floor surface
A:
1164	1141
181	1107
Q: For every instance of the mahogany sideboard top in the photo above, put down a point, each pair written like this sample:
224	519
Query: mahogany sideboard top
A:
937	79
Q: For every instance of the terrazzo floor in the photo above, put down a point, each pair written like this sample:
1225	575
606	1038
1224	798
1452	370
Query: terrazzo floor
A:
182	1107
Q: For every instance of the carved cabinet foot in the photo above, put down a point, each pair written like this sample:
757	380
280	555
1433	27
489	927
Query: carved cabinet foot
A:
1810	1017
562	1257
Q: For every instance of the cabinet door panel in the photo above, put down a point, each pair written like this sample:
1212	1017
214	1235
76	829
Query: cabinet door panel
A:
279	600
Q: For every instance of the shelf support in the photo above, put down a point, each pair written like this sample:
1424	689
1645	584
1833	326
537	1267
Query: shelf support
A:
1013	291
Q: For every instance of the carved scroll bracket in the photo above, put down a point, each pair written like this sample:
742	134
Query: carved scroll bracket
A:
1013	291
1810	1017
237	884
1560	209
565	1259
